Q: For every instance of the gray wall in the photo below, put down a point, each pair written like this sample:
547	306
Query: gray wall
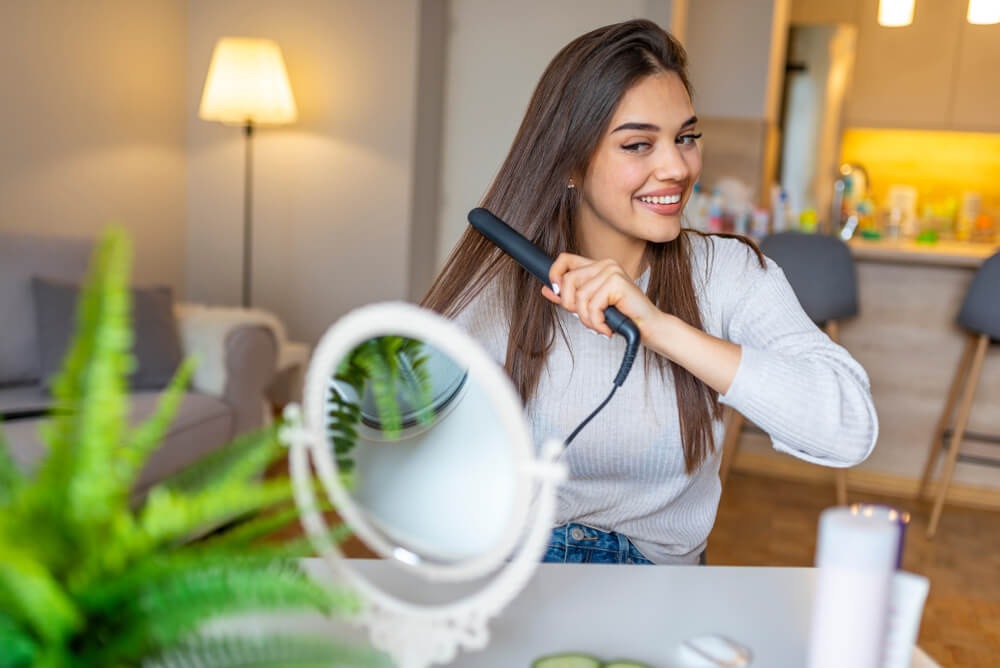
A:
333	192
737	51
93	124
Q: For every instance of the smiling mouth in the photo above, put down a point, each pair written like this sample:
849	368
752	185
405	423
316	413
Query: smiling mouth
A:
662	199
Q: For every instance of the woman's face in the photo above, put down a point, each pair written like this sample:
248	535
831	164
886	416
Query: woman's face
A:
643	170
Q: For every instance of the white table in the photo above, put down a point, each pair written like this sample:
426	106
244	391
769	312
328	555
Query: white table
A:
636	612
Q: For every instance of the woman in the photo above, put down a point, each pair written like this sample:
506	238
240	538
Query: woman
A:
598	176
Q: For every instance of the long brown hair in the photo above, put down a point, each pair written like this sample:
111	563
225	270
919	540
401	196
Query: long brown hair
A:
566	118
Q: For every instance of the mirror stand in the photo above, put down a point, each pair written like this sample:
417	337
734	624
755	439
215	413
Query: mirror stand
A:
416	636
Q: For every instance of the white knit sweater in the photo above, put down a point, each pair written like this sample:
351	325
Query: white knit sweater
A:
627	466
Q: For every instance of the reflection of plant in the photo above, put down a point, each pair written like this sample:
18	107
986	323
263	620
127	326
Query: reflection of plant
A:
86	580
392	366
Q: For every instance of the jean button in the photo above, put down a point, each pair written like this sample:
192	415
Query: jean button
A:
577	533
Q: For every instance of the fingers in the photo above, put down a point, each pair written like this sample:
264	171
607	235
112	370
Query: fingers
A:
585	288
564	263
570	272
551	296
594	299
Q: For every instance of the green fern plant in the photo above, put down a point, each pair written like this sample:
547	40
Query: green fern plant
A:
87	578
391	367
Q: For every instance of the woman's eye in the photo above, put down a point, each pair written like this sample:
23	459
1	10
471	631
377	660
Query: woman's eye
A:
636	147
688	139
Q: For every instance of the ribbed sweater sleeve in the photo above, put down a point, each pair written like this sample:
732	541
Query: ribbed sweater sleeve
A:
793	381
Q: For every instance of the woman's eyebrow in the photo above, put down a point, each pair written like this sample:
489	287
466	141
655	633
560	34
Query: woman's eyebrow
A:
649	127
689	122
642	127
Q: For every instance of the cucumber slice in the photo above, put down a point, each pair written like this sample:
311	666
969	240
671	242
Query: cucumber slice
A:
567	661
626	664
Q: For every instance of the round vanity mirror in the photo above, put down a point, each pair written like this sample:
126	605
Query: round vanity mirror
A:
418	439
424	454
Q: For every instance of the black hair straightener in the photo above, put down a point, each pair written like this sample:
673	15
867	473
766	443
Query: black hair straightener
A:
538	264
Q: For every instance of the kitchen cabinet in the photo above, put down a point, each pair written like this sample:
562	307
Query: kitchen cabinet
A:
975	104
938	73
903	76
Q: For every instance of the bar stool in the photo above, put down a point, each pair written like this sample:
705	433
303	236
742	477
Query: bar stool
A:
980	315
821	271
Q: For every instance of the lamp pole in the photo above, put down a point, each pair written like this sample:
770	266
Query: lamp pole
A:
248	215
247	85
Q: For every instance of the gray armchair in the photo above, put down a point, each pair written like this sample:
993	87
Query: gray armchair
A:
243	348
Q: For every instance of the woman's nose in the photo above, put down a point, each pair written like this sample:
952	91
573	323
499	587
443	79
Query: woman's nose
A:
670	165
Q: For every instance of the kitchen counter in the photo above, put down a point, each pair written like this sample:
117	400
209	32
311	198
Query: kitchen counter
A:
942	253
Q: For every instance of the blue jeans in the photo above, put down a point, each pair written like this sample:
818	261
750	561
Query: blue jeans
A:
579	544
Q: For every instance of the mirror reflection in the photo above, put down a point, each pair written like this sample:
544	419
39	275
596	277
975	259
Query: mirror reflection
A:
421	450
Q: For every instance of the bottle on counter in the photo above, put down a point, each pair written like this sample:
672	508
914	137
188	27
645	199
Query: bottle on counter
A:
777	212
741	220
808	221
782	219
984	231
760	223
696	210
965	223
902	203
715	207
868	224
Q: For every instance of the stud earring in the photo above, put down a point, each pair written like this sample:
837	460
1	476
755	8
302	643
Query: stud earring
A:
571	185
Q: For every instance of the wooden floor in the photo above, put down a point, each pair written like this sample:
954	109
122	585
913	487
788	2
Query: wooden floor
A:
766	521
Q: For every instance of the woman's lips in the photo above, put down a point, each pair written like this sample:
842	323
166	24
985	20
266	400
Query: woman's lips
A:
663	209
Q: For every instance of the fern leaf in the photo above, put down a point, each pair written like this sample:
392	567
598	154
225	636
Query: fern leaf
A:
91	399
265	524
171	608
246	457
31	595
169	515
277	651
11	478
381	366
416	381
101	596
144	439
113	593
19	648
255	528
342	422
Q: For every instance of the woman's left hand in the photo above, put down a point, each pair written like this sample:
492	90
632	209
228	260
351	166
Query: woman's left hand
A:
587	287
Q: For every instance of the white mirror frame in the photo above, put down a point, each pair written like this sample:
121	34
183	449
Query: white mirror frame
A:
417	635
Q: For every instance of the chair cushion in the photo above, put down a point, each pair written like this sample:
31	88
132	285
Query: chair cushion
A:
820	270
20	399
981	309
202	424
22	257
156	341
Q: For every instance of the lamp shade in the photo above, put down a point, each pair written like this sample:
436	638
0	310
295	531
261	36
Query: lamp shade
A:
247	83
895	13
984	12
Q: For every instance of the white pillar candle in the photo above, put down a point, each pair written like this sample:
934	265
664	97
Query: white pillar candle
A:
856	554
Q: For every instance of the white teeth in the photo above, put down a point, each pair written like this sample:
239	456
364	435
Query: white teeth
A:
662	199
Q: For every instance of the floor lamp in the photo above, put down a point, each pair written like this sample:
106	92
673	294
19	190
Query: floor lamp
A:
247	85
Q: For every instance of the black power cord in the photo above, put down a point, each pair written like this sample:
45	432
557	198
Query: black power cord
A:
631	335
590	417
